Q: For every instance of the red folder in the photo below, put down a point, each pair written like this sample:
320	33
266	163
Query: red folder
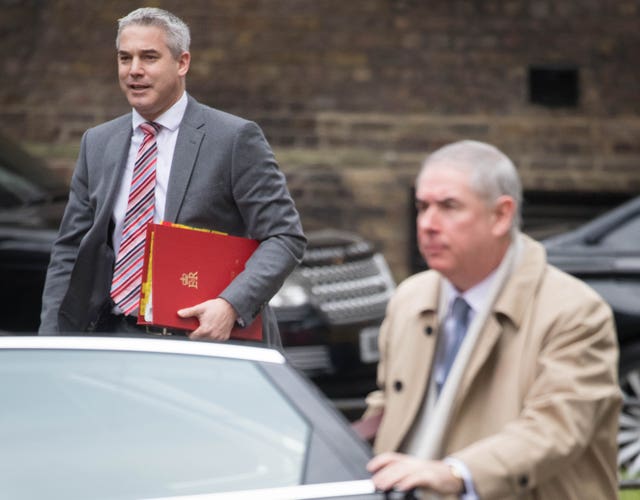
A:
185	266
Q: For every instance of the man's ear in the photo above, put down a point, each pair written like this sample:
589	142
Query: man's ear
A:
504	212
183	63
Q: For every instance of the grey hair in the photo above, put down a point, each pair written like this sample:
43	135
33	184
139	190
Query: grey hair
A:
176	30
491	173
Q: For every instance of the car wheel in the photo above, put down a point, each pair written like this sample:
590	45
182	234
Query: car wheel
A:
629	433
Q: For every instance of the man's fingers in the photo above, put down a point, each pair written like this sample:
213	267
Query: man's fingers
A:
382	460
418	478
200	333
390	476
215	318
389	470
402	472
188	312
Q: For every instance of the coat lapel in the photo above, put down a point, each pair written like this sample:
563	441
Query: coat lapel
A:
510	306
190	137
484	345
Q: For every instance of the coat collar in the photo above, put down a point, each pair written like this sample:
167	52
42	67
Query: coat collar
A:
523	283
510	306
516	293
422	307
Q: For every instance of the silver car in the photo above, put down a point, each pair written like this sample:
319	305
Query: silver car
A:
138	418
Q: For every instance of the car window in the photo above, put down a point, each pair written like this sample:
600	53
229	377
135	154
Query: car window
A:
15	190
106	424
626	236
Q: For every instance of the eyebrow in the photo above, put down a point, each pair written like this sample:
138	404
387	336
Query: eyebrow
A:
447	201
144	52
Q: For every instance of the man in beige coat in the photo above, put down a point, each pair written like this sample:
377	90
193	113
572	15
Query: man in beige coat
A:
529	407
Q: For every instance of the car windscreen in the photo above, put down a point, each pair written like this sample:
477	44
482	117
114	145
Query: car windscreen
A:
624	237
16	190
108	424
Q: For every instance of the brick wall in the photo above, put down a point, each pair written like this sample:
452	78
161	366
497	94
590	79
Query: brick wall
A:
353	94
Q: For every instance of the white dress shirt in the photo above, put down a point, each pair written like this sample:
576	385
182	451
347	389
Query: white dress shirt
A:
478	299
166	139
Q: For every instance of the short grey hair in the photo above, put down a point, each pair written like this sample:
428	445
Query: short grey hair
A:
177	31
492	173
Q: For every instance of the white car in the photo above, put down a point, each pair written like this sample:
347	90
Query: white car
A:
139	418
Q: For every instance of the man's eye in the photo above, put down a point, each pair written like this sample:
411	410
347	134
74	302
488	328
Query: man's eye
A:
449	205
421	207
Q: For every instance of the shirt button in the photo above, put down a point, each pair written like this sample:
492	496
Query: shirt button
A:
428	330
397	385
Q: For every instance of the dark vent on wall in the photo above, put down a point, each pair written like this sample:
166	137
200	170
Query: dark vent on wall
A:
554	87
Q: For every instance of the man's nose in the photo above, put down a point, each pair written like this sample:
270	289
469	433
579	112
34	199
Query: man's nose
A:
427	219
136	66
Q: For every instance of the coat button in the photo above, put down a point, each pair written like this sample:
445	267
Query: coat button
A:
397	385
523	481
428	330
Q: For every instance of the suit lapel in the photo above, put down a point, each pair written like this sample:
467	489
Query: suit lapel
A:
114	169
190	137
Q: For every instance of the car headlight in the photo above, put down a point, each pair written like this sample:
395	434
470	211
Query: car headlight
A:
290	295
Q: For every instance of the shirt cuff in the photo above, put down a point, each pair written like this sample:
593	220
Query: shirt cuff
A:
469	490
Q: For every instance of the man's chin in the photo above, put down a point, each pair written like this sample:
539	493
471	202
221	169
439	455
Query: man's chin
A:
143	108
138	99
437	264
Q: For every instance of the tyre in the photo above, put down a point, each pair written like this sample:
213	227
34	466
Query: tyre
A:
629	433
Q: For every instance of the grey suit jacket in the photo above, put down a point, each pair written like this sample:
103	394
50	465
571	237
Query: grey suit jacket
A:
223	176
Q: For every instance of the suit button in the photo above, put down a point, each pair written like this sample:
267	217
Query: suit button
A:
523	481
397	385
428	330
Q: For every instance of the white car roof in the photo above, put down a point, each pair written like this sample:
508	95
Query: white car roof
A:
158	345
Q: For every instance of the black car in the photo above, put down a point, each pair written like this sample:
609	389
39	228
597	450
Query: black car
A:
32	201
605	253
329	313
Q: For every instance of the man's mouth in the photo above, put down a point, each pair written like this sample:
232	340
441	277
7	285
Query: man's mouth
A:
138	86
432	248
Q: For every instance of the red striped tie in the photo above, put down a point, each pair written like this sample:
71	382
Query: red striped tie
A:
127	273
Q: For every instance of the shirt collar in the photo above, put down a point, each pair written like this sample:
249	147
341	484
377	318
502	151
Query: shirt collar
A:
475	296
170	119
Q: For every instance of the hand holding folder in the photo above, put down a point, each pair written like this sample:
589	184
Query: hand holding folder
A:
184	267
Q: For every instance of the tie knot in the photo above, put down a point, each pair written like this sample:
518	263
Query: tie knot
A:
150	128
460	311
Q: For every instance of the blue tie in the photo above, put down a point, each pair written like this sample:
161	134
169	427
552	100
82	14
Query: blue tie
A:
452	340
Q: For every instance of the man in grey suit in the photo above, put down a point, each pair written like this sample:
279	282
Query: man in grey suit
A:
213	170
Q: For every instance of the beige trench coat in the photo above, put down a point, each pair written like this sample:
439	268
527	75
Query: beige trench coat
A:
536	412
